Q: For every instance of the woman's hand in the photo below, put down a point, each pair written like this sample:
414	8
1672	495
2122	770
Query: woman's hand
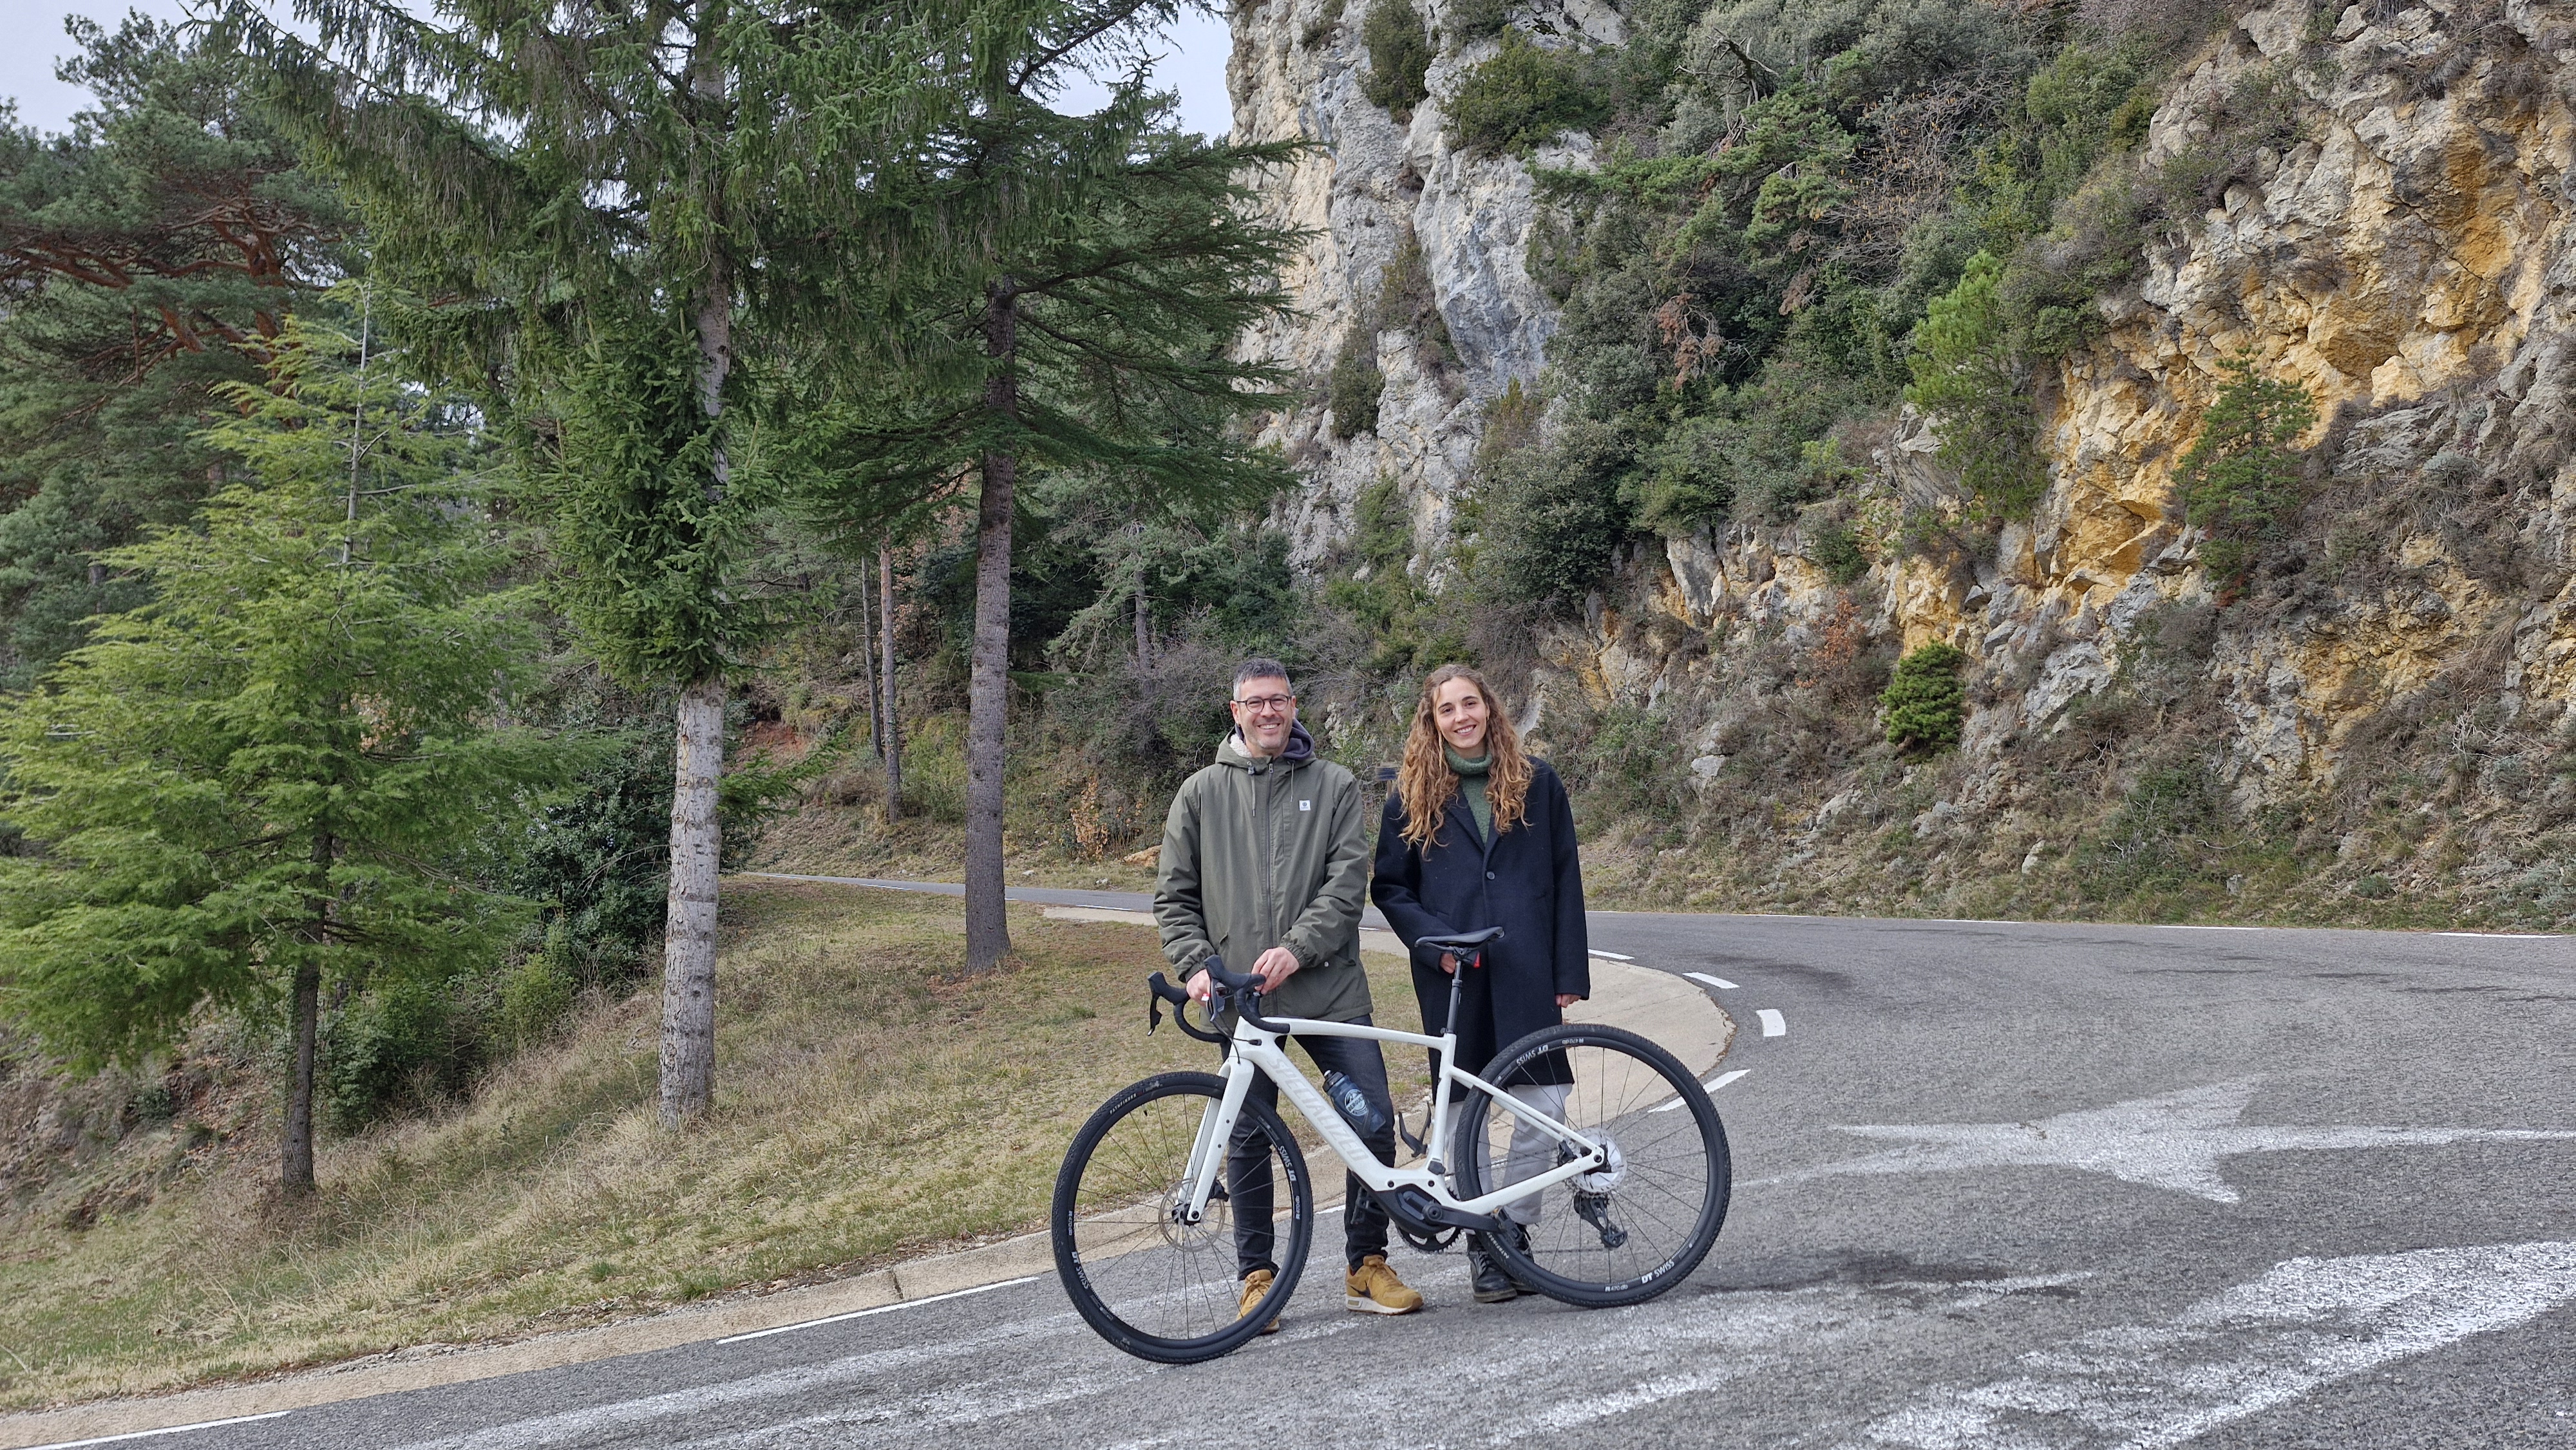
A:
1567	999
1449	963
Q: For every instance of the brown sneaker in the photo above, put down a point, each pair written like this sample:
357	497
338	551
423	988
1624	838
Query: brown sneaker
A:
1373	1288
1256	1285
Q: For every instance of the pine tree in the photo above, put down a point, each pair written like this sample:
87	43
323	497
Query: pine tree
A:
2242	482
149	256
1086	322
276	774
625	203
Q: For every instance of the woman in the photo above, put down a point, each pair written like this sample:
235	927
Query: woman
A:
1478	834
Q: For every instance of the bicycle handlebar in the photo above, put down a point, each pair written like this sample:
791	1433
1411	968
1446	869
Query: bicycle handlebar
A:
1180	1000
1242	989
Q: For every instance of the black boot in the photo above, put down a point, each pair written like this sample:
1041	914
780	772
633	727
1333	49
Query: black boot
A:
1485	1274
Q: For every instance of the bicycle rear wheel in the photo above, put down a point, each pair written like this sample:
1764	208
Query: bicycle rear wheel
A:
1622	1234
1154	1286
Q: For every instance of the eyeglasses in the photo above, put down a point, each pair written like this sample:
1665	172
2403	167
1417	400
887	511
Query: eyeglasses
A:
1261	703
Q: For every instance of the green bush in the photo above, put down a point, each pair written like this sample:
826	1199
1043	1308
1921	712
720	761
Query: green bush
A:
1552	517
1837	550
397	1047
2242	483
1351	390
1970	380
1469	21
538	992
1523	97
1399	50
1925	703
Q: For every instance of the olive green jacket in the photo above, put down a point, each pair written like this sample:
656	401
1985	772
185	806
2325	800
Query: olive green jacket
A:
1258	854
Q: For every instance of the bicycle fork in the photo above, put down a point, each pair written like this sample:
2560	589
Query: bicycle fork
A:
1207	1155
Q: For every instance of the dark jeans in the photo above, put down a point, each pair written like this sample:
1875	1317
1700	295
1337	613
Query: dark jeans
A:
1247	1168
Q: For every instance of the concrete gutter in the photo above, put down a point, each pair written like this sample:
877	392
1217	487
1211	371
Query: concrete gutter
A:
1666	1008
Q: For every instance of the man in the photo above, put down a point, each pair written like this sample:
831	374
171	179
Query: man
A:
1264	862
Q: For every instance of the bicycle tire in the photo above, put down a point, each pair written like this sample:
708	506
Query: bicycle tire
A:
1155	1288
1674	1166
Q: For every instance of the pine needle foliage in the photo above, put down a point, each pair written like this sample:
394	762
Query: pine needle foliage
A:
1925	702
282	772
2243	481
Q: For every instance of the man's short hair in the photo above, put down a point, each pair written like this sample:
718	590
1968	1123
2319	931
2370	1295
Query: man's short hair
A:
1259	669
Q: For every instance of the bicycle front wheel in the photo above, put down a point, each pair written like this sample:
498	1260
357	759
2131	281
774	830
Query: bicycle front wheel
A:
1626	1232
1151	1283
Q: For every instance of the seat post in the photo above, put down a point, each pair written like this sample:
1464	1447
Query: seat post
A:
1457	981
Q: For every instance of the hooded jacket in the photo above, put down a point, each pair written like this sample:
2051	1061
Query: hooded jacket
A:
1264	853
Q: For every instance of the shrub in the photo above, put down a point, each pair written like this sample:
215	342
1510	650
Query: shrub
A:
1925	703
1837	550
1523	97
1351	390
1469	21
1552	517
1970	381
1631	762
537	992
2242	482
2159	840
398	1046
1399	50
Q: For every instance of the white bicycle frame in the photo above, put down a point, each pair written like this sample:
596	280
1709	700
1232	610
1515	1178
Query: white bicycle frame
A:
1257	1051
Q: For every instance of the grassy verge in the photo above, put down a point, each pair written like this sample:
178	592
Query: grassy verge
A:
871	1105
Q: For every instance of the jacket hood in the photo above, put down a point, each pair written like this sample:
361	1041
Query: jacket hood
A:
1300	750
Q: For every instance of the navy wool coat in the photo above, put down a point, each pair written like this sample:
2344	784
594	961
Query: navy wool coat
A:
1525	880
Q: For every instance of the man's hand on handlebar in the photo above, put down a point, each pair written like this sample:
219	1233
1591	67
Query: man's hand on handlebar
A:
1201	989
1274	967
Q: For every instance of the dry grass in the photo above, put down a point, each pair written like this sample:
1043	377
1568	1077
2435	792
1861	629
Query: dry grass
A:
870	1106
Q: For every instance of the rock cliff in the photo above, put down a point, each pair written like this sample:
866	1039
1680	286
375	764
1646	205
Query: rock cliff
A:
2374	723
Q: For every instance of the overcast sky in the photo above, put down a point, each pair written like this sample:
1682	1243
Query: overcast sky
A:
1193	61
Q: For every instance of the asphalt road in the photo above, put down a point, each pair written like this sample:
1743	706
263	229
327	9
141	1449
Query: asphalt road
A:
1996	1186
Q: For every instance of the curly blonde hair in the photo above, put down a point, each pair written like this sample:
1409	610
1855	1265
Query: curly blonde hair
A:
1425	782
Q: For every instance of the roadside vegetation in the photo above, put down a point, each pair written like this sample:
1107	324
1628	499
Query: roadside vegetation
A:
873	1103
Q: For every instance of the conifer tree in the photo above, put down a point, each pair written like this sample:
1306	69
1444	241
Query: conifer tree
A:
148	255
274	776
624	204
1106	267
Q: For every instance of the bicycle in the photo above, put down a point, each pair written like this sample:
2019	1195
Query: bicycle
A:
1573	1161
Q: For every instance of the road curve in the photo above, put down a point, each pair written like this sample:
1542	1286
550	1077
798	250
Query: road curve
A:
1997	1184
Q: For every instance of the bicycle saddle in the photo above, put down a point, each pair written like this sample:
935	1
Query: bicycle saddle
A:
1465	941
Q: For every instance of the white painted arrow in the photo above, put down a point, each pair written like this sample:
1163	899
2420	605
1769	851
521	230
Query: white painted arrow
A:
2305	1324
2175	1141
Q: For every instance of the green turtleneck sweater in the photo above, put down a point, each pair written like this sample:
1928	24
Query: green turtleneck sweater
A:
1471	782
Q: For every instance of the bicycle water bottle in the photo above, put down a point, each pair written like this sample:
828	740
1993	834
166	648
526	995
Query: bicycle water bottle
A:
1356	1109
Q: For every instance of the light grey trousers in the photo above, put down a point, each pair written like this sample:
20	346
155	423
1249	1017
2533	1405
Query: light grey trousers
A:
1532	1152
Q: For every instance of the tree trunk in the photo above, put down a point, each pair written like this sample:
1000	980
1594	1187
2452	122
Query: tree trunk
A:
885	676
689	932
1144	624
868	668
295	1151
697	840
295	1165
988	927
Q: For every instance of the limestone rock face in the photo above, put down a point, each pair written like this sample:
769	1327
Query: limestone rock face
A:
2407	258
1371	183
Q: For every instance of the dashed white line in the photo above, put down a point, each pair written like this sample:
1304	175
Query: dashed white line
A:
880	1309
166	1430
1614	956
1773	1024
2503	935
1712	1085
1718	982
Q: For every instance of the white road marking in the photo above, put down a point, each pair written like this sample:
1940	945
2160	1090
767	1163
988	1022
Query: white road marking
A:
2503	935
1773	1024
2306	1323
1712	1085
880	1309
1718	982
848	1374
165	1430
1614	956
2172	1141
